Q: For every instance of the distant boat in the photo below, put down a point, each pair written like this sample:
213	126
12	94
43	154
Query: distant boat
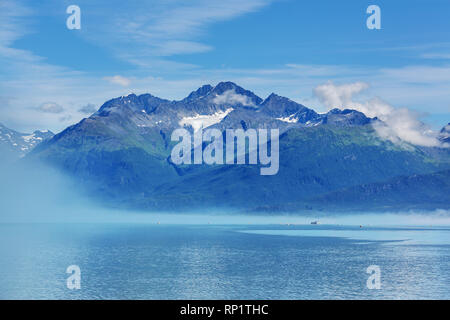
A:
315	222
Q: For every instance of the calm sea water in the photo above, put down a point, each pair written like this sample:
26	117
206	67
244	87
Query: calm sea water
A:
143	261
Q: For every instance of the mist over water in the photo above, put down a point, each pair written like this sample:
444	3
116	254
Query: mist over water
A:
34	192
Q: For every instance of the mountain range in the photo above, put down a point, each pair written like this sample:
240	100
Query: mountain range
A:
334	160
14	144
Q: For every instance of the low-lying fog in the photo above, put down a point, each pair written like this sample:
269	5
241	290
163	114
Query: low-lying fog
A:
31	192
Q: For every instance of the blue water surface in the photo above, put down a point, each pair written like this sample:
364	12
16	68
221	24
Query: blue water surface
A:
150	261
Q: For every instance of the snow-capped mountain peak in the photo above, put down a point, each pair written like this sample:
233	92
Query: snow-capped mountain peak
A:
19	144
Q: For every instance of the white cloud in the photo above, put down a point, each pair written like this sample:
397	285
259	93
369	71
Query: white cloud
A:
338	96
231	97
397	124
122	81
50	107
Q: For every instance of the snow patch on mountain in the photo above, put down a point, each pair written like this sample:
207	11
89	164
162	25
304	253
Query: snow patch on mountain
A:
31	138
21	143
290	119
200	121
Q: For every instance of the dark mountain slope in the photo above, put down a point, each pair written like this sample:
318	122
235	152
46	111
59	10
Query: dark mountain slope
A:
313	161
426	191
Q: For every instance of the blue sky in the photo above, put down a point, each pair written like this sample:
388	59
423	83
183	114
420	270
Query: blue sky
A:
169	48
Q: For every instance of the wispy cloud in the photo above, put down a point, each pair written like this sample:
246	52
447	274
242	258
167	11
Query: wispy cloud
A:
397	124
13	26
122	81
181	47
419	74
163	28
443	56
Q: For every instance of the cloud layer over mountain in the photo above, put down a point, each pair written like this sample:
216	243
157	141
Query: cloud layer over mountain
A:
396	124
231	97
